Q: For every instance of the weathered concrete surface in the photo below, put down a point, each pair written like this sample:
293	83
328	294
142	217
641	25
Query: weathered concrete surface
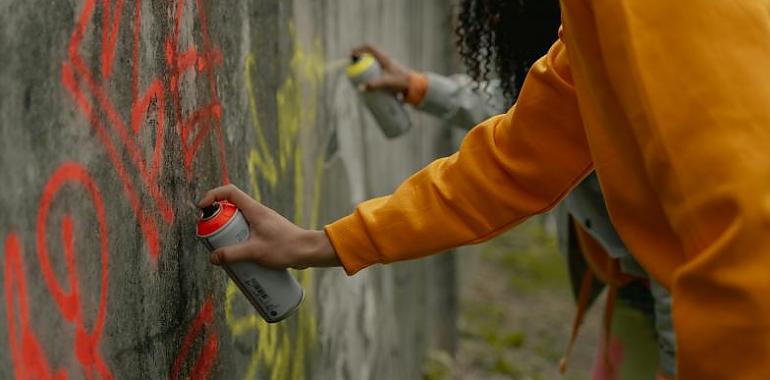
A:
115	115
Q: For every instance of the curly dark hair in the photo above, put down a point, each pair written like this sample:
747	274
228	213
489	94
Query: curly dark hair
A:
503	38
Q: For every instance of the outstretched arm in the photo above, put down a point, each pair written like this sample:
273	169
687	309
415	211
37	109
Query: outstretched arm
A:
509	167
457	100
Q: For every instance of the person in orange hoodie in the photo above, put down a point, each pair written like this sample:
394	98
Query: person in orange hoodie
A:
667	102
638	340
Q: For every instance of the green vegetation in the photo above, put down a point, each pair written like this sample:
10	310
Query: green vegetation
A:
530	254
516	309
437	366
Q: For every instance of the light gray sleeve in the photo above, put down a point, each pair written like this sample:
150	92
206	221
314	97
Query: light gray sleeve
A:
458	101
664	325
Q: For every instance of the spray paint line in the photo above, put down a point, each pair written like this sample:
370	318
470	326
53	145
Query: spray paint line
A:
73	74
281	350
202	325
109	35
84	75
139	112
146	224
27	357
85	345
204	62
69	302
260	161
93	99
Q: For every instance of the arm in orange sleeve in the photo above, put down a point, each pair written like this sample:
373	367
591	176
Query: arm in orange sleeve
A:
508	168
694	79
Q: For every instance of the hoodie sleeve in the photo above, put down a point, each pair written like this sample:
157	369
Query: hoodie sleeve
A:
509	167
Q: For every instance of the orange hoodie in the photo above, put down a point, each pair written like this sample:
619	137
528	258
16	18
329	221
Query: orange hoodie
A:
670	102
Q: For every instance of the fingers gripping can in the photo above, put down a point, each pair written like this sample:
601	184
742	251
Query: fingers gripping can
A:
386	109
274	292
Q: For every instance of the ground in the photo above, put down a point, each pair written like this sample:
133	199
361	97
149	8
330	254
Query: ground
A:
516	312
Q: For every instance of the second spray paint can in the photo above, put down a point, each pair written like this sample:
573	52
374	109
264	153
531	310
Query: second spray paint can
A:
275	293
384	106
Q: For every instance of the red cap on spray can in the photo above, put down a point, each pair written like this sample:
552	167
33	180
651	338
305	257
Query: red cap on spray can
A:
214	217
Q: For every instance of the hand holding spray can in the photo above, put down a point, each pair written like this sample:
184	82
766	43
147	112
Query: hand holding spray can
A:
384	106
273	292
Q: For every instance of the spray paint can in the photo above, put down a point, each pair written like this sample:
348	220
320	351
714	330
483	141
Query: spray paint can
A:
387	110
273	292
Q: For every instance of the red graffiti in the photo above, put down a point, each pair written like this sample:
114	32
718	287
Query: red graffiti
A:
27	355
202	324
90	92
194	127
92	88
86	343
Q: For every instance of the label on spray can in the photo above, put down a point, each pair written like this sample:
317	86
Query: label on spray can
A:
388	111
274	292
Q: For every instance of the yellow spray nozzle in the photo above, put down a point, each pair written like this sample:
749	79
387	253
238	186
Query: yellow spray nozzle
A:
360	65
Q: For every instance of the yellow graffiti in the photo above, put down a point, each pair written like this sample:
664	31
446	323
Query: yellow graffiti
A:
259	159
297	105
279	352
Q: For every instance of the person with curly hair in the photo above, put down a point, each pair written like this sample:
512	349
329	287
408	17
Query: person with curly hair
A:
667	102
591	246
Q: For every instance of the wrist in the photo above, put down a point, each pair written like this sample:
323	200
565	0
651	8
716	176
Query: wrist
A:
319	251
417	86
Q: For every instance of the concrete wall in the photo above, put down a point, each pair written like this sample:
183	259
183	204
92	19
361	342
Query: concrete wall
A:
116	115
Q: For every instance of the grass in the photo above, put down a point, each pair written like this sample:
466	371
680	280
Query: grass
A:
516	310
530	254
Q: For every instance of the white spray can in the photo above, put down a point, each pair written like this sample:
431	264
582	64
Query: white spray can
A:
273	292
387	110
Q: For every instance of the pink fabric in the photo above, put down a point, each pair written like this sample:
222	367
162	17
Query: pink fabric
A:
602	371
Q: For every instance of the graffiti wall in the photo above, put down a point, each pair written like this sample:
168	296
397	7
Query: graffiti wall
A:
117	115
